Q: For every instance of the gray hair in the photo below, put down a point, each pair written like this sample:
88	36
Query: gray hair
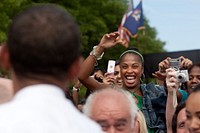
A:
133	107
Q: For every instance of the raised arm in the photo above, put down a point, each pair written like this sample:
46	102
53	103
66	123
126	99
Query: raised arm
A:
107	41
172	87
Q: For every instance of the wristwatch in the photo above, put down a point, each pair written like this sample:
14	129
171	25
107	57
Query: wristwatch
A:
94	53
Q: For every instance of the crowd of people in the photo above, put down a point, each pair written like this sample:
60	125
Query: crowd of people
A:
43	56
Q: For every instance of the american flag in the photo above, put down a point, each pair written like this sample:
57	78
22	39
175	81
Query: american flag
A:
131	22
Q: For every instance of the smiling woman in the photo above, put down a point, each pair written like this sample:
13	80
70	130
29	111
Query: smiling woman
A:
194	77
151	98
132	68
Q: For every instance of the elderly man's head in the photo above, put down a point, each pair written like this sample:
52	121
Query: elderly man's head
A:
113	109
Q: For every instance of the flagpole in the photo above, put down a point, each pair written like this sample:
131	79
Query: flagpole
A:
131	4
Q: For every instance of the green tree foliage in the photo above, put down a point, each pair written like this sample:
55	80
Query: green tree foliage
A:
95	17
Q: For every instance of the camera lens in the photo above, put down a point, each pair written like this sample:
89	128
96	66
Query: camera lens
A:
181	77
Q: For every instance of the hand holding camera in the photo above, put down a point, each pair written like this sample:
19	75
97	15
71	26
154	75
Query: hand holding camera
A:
171	80
182	75
180	65
109	76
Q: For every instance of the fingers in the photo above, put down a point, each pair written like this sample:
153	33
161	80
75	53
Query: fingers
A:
113	34
106	74
186	63
171	79
109	80
164	65
159	75
155	75
118	40
171	85
109	40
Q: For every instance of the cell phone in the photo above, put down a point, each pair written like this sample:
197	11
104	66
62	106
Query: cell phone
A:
111	67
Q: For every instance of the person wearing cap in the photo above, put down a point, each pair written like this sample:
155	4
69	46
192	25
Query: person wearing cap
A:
150	98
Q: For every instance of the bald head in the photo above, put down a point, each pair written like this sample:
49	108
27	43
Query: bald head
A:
110	107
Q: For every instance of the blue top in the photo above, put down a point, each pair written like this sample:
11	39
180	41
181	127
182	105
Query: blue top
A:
154	106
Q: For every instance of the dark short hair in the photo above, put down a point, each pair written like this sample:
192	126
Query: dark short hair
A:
179	107
194	65
116	62
134	51
43	39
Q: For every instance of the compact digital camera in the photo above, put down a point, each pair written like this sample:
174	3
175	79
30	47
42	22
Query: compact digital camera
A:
182	75
175	63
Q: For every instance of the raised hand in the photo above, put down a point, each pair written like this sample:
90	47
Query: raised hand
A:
171	80
163	65
185	62
108	79
109	40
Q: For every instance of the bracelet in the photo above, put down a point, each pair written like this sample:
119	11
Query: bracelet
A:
96	63
76	89
94	53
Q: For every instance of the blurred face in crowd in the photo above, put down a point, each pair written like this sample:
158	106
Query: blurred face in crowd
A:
112	114
117	76
193	112
181	122
131	70
194	78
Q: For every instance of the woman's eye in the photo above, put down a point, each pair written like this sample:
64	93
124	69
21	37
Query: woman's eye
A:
116	73
181	125
135	66
124	67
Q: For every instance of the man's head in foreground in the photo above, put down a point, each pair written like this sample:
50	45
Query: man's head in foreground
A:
43	46
113	109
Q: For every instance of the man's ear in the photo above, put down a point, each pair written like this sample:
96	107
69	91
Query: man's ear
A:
75	68
136	127
4	57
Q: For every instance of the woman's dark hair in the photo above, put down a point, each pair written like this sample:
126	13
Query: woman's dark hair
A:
194	65
116	62
179	107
